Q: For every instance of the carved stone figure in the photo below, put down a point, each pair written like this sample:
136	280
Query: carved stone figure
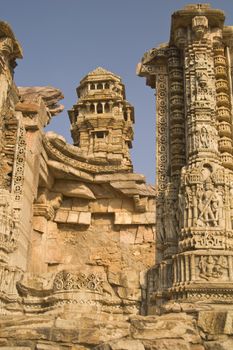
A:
212	267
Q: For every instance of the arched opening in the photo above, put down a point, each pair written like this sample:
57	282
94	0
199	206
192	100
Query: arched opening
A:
106	85
107	107
99	86
92	87
99	108
92	108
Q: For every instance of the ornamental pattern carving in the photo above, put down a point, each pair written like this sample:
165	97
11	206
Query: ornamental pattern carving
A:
162	134
67	281
53	151
18	175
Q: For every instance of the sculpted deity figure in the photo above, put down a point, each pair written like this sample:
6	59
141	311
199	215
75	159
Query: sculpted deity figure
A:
212	267
204	138
189	205
208	205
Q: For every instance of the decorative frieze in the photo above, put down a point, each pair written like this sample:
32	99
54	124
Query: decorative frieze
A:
67	281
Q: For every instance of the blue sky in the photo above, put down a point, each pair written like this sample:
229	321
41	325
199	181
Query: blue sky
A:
63	40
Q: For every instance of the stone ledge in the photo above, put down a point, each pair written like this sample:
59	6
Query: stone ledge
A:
73	217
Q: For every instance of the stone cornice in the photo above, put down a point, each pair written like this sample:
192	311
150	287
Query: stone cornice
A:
60	151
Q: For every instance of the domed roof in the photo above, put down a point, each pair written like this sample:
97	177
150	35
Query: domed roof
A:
100	73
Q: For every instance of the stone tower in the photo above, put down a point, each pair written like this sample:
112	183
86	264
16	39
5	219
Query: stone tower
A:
193	78
102	119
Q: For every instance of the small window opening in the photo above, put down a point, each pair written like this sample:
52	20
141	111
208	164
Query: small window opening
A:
107	107
100	134
92	108
99	108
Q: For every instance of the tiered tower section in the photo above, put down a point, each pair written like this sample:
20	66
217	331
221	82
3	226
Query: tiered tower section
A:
193	78
102	119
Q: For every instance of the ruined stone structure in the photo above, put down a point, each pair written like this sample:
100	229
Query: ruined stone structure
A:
78	268
77	225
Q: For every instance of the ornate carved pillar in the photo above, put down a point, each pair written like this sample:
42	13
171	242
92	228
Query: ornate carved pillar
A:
195	203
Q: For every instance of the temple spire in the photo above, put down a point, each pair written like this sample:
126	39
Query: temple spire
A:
102	120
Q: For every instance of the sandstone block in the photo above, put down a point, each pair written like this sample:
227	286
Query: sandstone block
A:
197	347
216	322
73	189
72	217
129	294
223	344
89	331
115	205
114	275
139	235
15	348
120	177
61	216
123	219
26	328
53	253
39	224
125	344
167	344
48	347
127	205
127	237
148	235
84	218
143	218
164	327
100	206
80	204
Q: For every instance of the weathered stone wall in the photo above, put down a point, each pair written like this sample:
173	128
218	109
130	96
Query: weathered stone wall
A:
103	237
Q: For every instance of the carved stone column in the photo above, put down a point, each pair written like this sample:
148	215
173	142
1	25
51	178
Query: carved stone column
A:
196	203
